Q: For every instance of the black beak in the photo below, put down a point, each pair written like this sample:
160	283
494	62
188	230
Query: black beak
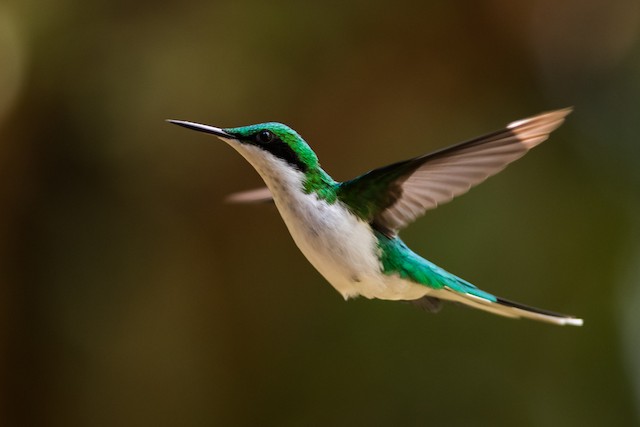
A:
203	128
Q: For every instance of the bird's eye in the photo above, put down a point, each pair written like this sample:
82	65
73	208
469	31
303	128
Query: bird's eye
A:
265	136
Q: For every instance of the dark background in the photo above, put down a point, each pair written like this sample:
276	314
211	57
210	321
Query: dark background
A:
132	295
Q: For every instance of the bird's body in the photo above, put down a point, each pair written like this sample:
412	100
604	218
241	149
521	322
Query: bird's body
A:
342	247
348	230
336	243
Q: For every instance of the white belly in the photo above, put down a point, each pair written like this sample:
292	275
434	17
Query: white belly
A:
338	245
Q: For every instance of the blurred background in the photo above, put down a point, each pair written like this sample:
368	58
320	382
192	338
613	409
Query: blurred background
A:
132	295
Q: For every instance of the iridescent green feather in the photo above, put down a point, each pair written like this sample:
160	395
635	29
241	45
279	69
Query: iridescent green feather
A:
397	258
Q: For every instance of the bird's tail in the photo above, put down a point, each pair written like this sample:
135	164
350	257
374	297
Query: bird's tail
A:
504	307
450	287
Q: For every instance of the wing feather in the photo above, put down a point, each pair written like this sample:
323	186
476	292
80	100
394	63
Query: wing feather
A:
258	195
412	187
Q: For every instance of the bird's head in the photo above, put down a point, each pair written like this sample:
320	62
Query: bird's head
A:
265	145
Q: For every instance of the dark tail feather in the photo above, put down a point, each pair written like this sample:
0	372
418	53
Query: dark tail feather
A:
569	320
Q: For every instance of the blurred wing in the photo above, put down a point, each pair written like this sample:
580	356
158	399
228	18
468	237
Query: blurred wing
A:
393	196
258	195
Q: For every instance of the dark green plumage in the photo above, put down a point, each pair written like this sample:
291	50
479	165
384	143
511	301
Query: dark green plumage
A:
371	193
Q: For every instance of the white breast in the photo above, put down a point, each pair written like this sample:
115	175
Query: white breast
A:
341	247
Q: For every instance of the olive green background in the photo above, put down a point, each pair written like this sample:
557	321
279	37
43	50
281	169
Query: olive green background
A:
132	295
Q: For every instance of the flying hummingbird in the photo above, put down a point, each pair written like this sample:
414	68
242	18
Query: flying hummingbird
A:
349	230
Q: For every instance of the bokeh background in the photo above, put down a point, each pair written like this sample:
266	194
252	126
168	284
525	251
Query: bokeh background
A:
132	295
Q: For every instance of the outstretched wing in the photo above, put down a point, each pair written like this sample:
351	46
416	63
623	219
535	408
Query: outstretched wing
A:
393	196
258	195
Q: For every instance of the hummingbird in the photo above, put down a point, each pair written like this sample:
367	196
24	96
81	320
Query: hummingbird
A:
349	230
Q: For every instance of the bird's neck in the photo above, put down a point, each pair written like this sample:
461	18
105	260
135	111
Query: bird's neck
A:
282	177
319	182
